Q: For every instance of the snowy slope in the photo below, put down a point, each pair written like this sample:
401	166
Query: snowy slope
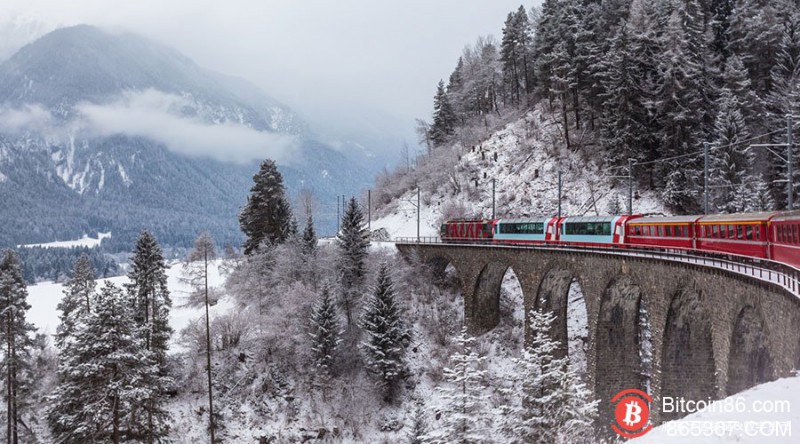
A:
528	155
781	396
44	299
84	241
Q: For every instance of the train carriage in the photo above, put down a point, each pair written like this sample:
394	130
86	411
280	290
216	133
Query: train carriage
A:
524	230
467	230
592	230
744	234
662	231
784	230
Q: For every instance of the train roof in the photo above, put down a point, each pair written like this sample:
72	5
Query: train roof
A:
525	220
762	216
590	219
664	220
787	215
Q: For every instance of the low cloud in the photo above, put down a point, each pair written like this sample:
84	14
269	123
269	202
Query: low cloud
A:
158	116
26	118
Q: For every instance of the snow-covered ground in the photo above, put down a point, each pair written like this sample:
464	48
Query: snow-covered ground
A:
44	299
766	414
84	241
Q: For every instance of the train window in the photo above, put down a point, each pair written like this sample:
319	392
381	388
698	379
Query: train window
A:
588	228
739	232
715	231
748	232
638	230
670	231
523	228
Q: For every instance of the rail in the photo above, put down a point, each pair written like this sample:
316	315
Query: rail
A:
778	273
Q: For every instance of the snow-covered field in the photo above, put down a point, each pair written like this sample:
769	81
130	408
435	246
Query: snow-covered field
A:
84	241
44	299
763	414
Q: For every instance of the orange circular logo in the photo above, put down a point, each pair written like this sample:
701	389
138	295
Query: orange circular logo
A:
631	413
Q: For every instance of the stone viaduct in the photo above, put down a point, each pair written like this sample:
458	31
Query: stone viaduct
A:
710	332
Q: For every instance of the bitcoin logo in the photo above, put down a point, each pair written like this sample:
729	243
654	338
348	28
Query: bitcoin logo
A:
631	413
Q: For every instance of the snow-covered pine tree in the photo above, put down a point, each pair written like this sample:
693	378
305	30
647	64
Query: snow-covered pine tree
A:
465	415
555	406
308	240
76	303
353	241
267	214
103	378
16	336
444	117
419	426
196	274
386	335
326	333
151	300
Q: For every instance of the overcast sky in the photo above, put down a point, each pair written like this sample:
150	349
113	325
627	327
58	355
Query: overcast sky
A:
324	58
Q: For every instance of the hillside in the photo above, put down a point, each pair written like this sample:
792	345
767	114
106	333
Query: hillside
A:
528	157
103	132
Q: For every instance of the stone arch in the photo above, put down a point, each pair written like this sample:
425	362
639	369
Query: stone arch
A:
687	356
561	292
621	342
749	360
443	271
485	307
512	299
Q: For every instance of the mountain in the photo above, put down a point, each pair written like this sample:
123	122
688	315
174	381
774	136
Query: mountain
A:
113	132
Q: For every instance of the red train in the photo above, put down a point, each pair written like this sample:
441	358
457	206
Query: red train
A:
771	235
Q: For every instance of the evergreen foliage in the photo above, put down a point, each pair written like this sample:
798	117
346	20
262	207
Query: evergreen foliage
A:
106	379
308	240
76	303
267	214
387	335
444	118
555	406
151	305
353	241
17	339
465	416
325	332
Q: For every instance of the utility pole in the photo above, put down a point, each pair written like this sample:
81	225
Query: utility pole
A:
493	206
705	177
208	349
337	215
559	192
418	210
790	160
369	212
630	185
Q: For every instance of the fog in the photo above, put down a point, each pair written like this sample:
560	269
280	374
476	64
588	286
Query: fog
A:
349	66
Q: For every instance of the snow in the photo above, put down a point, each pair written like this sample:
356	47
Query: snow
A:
44	299
733	427
403	221
3	177
84	241
526	181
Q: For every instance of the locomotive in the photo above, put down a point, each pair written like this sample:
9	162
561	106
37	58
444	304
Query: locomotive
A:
773	235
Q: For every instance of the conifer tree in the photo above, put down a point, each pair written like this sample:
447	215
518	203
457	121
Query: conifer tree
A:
267	214
16	335
419	427
325	332
465	415
555	406
76	302
444	117
309	239
387	335
353	241
151	300
103	378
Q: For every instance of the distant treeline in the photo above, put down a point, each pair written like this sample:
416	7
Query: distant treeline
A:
56	264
